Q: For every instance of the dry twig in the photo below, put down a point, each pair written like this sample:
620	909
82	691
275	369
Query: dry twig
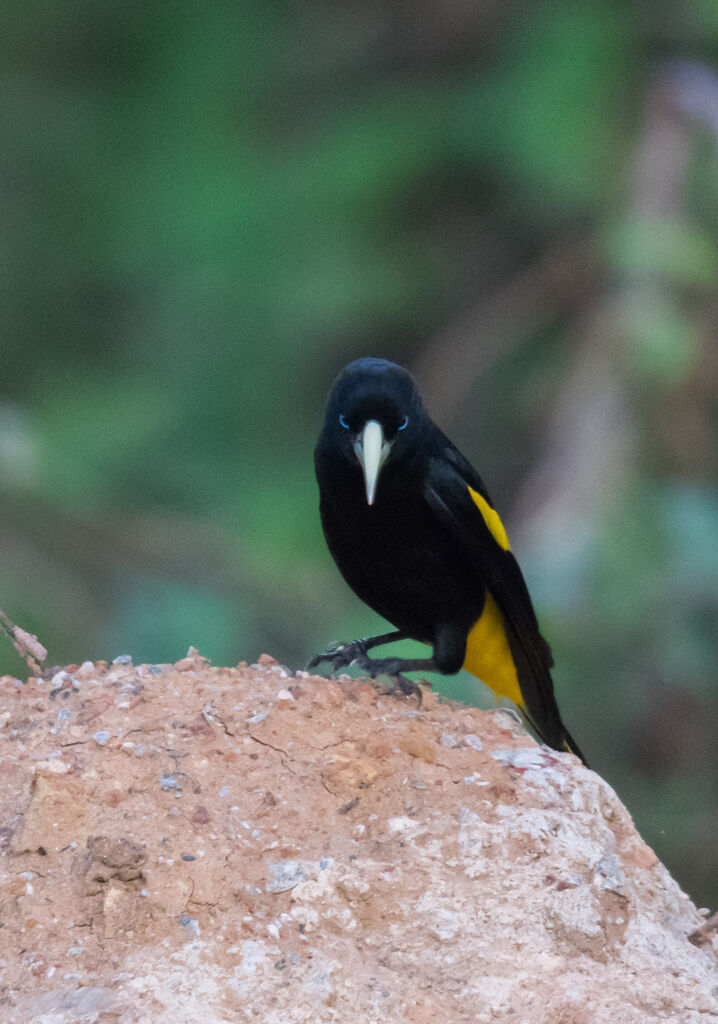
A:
26	644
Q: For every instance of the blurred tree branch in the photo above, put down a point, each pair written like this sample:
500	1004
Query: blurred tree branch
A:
26	644
555	285
590	433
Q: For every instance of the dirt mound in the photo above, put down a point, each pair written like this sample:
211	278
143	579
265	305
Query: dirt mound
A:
185	843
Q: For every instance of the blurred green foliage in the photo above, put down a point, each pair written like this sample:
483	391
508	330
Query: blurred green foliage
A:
208	210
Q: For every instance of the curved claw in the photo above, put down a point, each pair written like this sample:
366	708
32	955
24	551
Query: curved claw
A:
316	660
341	655
392	667
409	688
354	652
328	655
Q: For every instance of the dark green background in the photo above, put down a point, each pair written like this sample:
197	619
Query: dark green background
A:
208	209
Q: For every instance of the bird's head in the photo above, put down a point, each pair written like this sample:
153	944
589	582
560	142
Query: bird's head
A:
373	414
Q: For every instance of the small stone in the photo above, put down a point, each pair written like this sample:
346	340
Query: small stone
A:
101	737
475	780
285	696
61	680
168	782
191	924
266	660
122	659
53	766
608	873
188	856
286	874
259	717
473	741
402	826
521	757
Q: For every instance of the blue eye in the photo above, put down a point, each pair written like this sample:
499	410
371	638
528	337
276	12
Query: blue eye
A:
343	421
406	420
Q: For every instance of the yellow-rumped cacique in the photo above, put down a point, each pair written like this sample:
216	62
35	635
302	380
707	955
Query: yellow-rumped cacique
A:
413	531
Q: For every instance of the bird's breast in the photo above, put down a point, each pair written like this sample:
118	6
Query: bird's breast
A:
399	559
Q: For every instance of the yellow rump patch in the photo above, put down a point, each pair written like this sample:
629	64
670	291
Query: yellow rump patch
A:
491	518
488	655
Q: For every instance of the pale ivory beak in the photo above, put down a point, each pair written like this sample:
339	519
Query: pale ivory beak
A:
371	449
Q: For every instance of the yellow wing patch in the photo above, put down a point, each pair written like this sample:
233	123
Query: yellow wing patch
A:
488	655
491	518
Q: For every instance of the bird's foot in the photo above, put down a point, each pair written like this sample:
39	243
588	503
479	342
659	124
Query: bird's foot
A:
342	655
354	652
392	667
408	687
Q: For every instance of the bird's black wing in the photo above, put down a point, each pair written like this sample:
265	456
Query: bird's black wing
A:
477	529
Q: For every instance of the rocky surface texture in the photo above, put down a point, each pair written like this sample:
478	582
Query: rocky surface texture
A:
187	843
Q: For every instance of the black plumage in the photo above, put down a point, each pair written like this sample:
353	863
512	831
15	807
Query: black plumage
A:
411	526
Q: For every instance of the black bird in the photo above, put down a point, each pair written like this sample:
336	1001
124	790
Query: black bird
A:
411	526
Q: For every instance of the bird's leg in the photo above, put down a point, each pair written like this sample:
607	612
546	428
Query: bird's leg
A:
353	652
449	643
395	667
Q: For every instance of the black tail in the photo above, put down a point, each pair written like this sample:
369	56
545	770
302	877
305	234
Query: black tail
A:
572	747
565	743
533	661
